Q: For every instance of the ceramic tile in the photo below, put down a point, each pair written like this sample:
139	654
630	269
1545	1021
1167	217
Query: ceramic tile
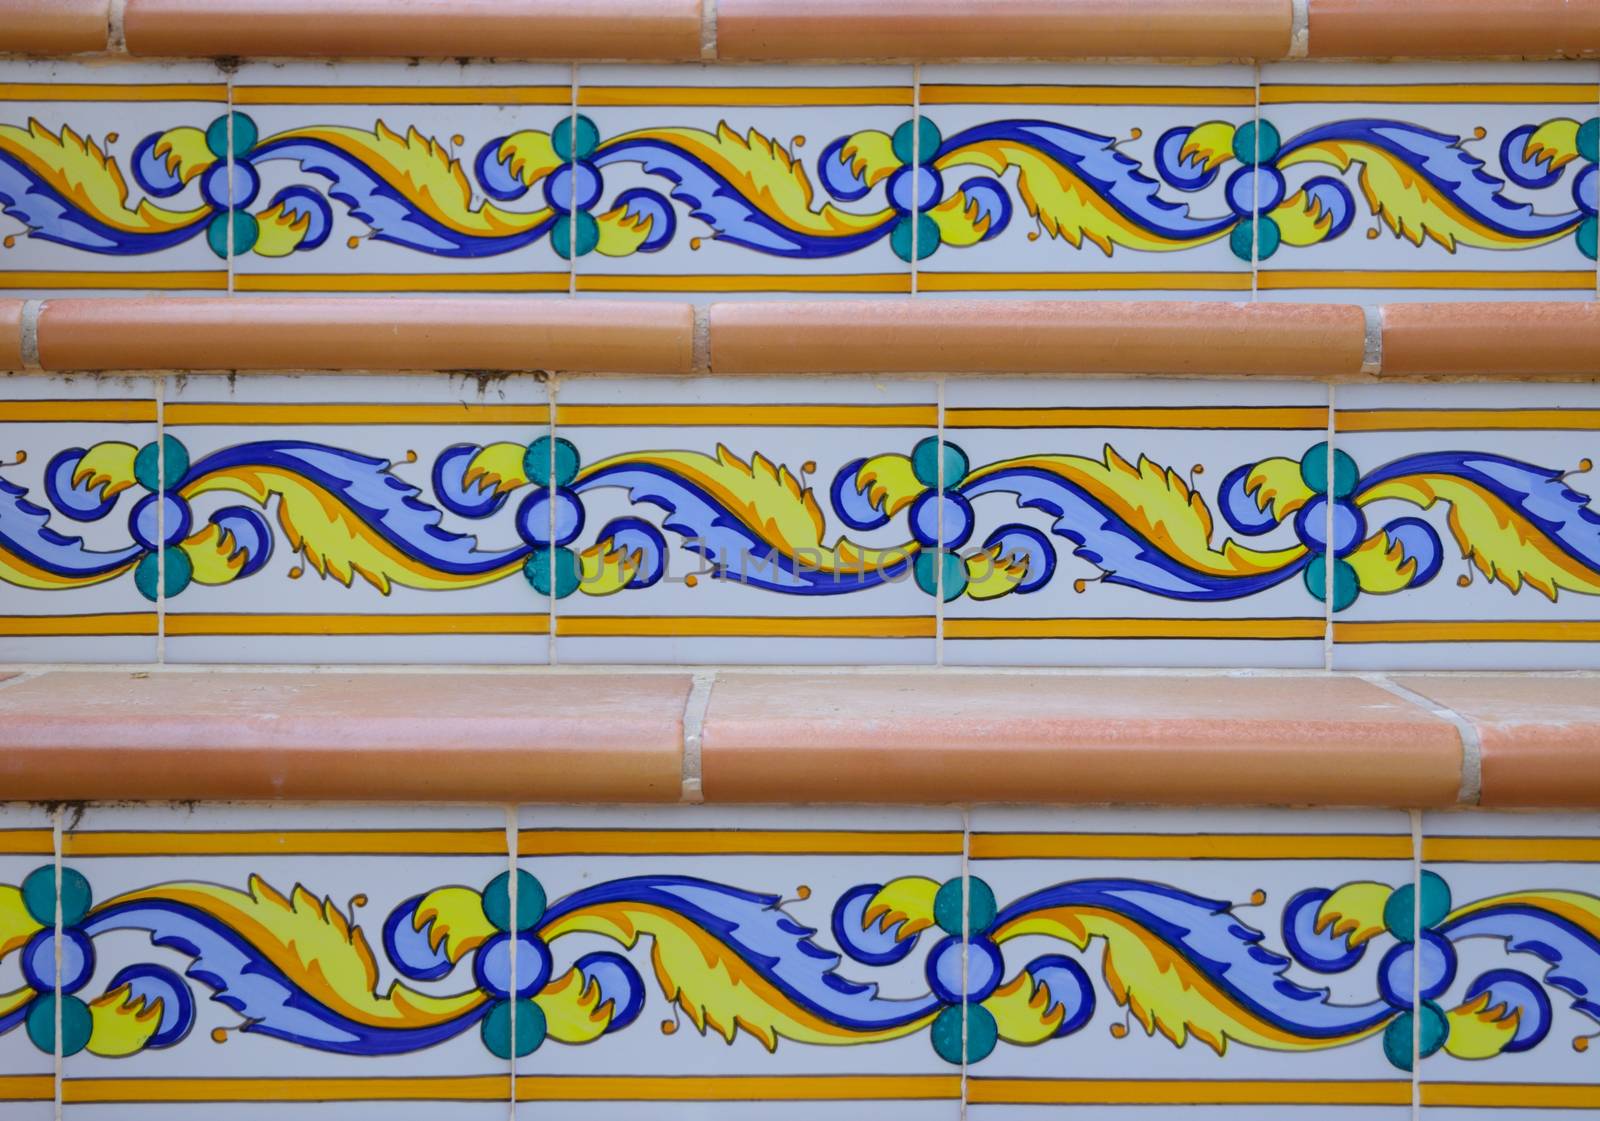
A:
1510	908
713	955
743	521
437	177
1482	495
27	963
1135	522
1198	947
1187	1111
78	570
357	519
324	946
112	177
744	180
1110	182
1429	182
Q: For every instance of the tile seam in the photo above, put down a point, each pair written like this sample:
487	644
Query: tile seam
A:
708	30
1372	341
511	965
1416	974
116	27
1327	573
1471	788
1299	29
695	706
30	334
60	936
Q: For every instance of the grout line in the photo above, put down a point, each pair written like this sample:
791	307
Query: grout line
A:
1471	789
551	599
916	177
1327	561
1416	962
572	209
966	941
30	333
1299	29
228	162
694	720
161	520
116	34
1255	196
1372	342
938	598
511	898
708	30
700	344
19	679
55	839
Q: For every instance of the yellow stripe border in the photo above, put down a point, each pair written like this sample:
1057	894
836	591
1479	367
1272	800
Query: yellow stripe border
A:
1162	1091
1438	420
1188	846
331	413
744	626
76	412
1266	630
302	842
1183	417
1472	630
200	624
718	96
737	842
1512	850
750	416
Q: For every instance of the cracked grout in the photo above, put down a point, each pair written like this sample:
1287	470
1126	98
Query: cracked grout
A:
1471	789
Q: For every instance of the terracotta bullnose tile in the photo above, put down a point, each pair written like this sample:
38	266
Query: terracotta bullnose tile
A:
516	29
850	29
383	333
1510	339
1020	738
54	26
1454	28
1037	336
10	334
329	736
1540	736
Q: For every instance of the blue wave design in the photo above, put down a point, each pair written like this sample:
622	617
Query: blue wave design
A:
1572	953
51	217
751	925
24	532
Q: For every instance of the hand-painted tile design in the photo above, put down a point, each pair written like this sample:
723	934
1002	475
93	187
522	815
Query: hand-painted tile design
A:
72	137
27	963
1413	182
79	475
1503	473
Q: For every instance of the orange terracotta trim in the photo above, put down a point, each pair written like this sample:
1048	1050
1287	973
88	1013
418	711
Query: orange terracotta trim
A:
10	334
1492	340
1027	336
377	333
1454	28
370	737
54	27
846	29
558	30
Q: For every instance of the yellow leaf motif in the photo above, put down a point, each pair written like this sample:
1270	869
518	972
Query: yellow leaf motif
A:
574	1010
123	1023
1022	1010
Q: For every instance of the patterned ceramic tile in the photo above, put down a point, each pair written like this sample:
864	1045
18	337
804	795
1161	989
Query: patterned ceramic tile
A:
1195	957
1110	181
1470	537
78	566
1189	1112
1419	182
744	180
698	955
1510	913
388	177
357	519
1135	522
27	963
319	953
112	177
754	521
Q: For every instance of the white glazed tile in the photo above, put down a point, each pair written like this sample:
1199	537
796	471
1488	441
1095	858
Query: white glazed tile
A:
775	874
90	608
1537	950
169	880
787	440
786	224
27	845
1215	878
1187	1111
391	167
354	1110
1093	596
133	224
1381	426
387	434
1118	227
1477	107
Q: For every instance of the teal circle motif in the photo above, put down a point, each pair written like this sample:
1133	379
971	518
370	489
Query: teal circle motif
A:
1314	471
77	1024
1435	905
981	1030
1346	584
1432	1032
927	141
926	570
1256	142
925	462
39	895
531	901
530	1033
981	907
552	572
245	135
927	237
1260	235
561	138
245	232
1589	140
566	243
1588	237
546	452
147	463
175	570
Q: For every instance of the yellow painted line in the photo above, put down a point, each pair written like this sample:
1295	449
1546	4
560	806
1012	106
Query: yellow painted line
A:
1455	93
1512	850
800	416
717	96
324	842
27	1087
119	91
1446	279
15	412
734	626
401	282
1188	846
295	1087
1269	629
896	282
1162	417
242	623
945	94
1083	281
463	413
757	842
402	95
739	1088
1468	630
138	623
1511	1095
1162	1091
1428	420
27	842
206	280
